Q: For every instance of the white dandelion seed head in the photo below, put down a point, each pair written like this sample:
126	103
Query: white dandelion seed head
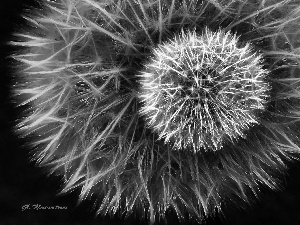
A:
201	90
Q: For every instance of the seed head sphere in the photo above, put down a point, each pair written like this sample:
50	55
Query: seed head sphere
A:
202	90
161	107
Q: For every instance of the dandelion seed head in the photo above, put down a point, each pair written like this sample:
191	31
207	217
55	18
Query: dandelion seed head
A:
114	87
201	90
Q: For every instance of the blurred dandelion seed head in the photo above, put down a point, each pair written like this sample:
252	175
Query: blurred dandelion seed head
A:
201	90
113	87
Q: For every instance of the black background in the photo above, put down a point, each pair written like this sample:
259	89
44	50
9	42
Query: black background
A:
22	183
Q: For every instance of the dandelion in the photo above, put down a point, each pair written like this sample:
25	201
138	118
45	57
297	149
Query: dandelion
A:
201	90
158	106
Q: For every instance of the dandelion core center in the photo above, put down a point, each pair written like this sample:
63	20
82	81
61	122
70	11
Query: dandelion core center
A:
198	84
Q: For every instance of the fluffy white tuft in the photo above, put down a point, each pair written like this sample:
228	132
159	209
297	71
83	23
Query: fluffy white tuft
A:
201	90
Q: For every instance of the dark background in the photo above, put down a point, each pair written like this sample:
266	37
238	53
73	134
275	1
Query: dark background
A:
21	182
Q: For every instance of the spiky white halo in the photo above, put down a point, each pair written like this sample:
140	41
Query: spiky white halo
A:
201	90
80	62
